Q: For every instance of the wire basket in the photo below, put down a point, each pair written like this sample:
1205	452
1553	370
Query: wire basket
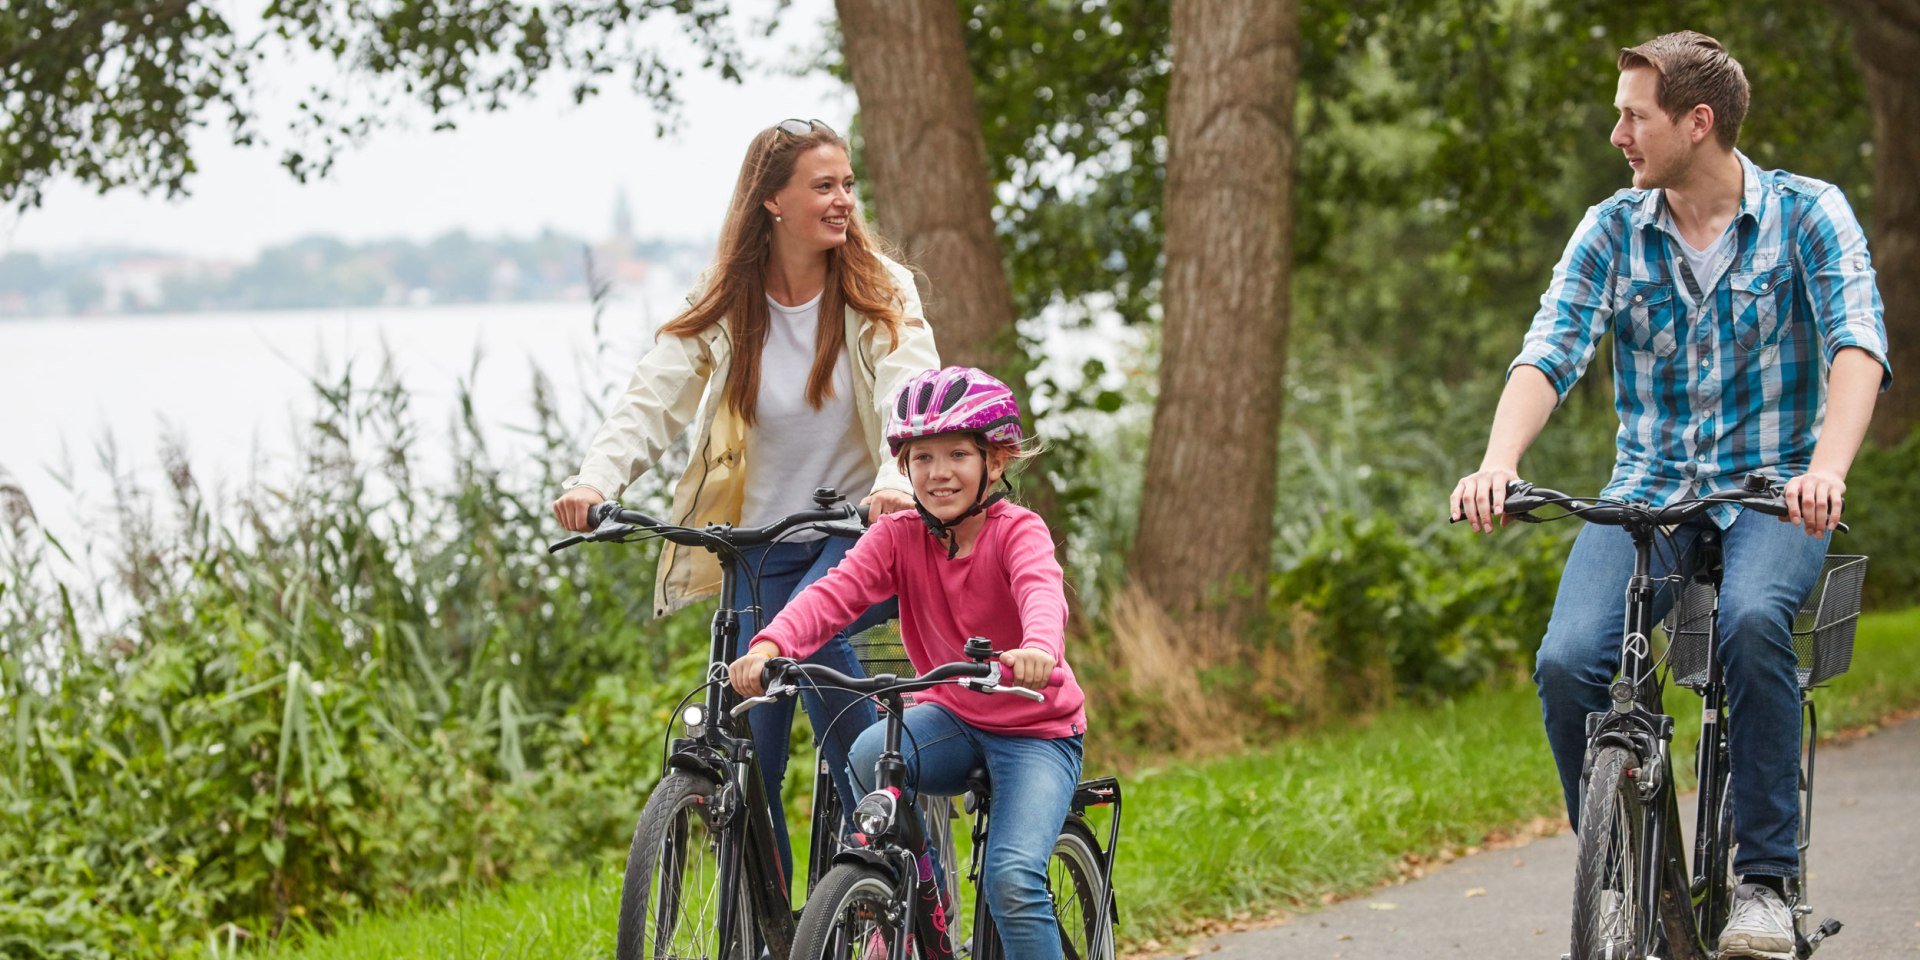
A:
879	651
1822	630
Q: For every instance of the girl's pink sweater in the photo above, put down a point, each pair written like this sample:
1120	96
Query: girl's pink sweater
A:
1009	590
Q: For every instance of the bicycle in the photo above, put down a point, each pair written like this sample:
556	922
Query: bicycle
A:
1634	896
703	873
876	900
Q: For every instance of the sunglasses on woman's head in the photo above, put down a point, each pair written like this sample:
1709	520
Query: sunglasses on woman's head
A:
799	128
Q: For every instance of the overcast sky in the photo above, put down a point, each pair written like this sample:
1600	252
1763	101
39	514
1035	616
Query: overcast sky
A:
539	163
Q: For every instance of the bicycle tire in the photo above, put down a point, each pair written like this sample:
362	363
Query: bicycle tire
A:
1078	884
1609	922
674	838
844	914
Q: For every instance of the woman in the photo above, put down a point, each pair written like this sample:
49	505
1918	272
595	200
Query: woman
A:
782	365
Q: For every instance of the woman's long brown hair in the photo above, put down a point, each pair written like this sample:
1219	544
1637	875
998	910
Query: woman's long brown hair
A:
736	293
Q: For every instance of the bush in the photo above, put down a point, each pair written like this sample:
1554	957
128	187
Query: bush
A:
361	691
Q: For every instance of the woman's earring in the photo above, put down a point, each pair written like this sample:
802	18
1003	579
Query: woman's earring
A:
776	219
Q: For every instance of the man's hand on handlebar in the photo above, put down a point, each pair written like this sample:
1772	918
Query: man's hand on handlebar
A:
747	672
1481	496
1029	667
572	507
1814	501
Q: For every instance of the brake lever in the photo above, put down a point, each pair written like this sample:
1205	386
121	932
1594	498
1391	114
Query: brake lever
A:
773	693
994	683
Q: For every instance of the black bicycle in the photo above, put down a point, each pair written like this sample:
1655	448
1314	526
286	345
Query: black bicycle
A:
876	902
704	875
1634	896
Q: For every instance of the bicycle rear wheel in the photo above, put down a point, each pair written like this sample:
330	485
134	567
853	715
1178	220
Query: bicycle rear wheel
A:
848	916
670	897
1610	921
1082	903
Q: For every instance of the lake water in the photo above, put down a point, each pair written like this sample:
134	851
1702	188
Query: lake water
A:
232	386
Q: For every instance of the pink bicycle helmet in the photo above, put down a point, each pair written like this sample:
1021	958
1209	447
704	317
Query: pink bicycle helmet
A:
953	400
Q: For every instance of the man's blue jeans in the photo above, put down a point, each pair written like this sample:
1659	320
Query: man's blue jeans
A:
783	571
1769	568
1032	781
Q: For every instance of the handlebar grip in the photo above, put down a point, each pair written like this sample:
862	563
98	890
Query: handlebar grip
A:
861	511
599	512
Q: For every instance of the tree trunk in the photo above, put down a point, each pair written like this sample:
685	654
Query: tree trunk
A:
1886	40
927	158
924	152
1206	511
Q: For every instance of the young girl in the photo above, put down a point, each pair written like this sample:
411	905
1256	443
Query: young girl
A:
968	565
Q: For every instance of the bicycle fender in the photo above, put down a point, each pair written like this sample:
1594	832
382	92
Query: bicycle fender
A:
866	857
712	767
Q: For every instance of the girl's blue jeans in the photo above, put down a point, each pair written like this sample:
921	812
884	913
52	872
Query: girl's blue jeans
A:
783	570
1769	568
1033	781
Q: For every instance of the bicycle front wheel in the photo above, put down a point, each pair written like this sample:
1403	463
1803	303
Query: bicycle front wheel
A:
1082	903
670	898
848	916
1610	920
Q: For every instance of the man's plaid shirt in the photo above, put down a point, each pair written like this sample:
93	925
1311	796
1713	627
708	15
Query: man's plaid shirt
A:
1711	388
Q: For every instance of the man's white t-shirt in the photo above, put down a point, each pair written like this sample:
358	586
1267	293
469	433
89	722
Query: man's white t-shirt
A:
794	448
1707	265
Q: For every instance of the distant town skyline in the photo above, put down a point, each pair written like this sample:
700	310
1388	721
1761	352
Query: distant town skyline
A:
539	164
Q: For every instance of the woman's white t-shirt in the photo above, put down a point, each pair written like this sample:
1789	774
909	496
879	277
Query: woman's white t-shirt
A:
793	448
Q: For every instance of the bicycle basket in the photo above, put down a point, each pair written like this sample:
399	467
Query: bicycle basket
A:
1822	630
879	651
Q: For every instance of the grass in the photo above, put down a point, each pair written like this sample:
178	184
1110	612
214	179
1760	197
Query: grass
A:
1330	814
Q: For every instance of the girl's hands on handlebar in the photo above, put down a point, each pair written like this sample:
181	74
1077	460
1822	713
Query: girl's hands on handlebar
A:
1029	667
746	673
1481	496
571	509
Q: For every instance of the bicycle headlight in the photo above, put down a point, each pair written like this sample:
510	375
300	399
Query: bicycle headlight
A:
695	717
874	815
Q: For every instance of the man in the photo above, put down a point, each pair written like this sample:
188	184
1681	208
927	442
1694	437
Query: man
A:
1747	338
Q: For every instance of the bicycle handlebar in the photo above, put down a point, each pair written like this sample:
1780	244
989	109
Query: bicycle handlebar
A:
611	521
1758	493
985	677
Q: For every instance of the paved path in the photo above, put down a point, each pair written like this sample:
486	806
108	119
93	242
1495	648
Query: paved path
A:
1513	904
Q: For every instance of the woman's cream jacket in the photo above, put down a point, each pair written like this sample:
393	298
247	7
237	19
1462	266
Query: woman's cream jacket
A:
682	381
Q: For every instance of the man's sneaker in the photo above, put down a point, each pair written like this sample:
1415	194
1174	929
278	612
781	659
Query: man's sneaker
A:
1761	925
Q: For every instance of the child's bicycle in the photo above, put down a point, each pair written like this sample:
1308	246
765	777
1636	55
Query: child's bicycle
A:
704	875
877	902
1634	896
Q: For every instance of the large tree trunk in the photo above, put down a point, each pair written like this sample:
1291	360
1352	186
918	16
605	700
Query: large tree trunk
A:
1206	511
1886	38
927	159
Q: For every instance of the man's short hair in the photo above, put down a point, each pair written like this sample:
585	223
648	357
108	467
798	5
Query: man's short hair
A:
1693	69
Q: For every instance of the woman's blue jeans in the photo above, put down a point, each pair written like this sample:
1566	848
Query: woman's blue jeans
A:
783	570
1769	568
1033	781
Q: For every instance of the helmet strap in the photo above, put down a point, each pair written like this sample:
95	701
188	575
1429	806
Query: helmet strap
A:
943	529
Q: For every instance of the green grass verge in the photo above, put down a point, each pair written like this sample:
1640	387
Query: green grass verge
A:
1332	813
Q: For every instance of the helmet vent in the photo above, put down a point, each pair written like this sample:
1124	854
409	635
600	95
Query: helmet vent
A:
955	391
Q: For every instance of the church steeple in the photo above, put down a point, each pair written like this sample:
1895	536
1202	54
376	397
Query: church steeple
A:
622	220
